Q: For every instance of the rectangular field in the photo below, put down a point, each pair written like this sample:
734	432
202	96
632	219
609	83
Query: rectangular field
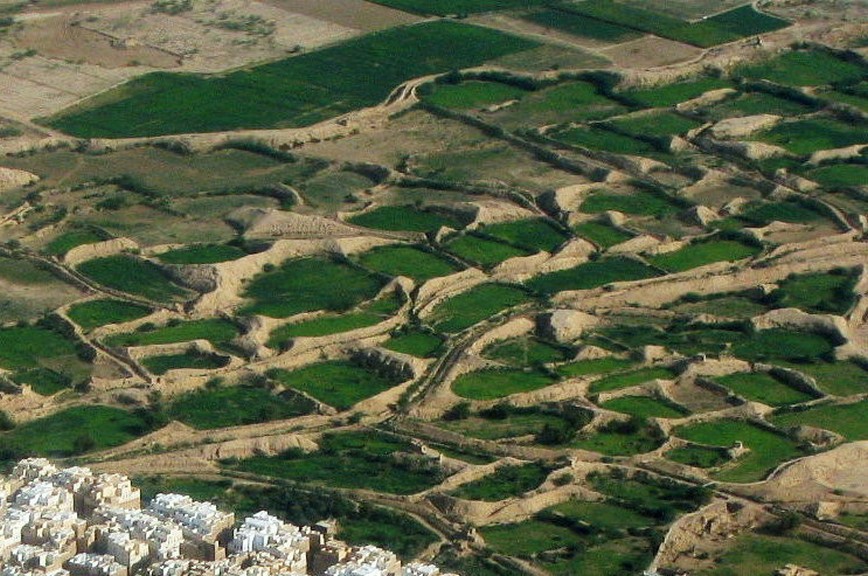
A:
449	7
291	92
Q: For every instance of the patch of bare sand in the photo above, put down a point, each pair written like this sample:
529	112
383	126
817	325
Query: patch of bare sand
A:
63	38
650	52
358	14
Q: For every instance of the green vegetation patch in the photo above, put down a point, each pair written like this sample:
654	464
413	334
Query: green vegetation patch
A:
779	343
495	383
527	351
309	284
564	102
839	378
804	68
190	360
702	253
96	313
416	343
477	304
721	28
645	407
291	92
406	218
754	103
820	293
760	214
505	482
767	449
134	276
412	261
547	426
338	383
598	138
622	438
640	203
43	381
722	305
672	94
483	251
657	124
634	378
839	176
24	347
753	553
809	135
603	235
848	420
66	241
360	460
592	275
698	456
224	406
202	254
563	19
655	497
472	94
533	235
215	330
73	431
761	387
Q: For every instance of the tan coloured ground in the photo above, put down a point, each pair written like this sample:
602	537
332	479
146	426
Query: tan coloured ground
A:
650	52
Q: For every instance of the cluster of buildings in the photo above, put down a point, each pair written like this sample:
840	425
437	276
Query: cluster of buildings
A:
74	522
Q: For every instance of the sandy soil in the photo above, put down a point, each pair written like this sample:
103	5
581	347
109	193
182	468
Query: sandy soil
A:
650	52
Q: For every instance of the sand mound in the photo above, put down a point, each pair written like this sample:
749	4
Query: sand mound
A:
11	178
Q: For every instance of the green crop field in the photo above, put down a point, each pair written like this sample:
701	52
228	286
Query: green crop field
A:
627	379
767	448
760	214
406	218
658	498
416	343
812	134
472	94
134	276
527	351
672	94
309	284
723	306
563	19
414	262
510	424
603	235
760	387
752	103
563	102
66	241
821	293
224	406
25	347
482	251
698	456
752	553
74	431
190	360
450	7
95	313
533	235
592	275
291	92
338	383
702	253
368	315
477	304
838	176
215	330
361	460
848	420
843	378
505	482
202	254
804	68
644	407
654	124
721	28
495	383
640	203
218	331
598	138
678	337
782	344
635	436
594	367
